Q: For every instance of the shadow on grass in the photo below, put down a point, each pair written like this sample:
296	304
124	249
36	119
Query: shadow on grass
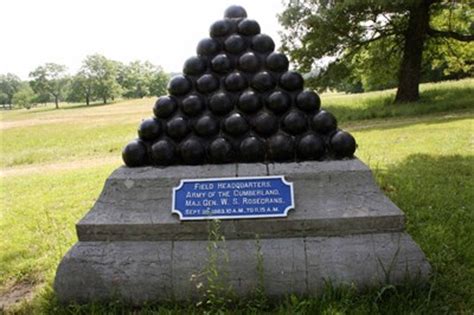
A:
75	106
429	119
436	194
434	100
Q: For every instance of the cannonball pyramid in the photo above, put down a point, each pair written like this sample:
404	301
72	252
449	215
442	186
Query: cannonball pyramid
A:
237	102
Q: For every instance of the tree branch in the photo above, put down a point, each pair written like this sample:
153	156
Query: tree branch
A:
451	34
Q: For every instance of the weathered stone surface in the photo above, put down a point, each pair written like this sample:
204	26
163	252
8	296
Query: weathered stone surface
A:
366	260
163	270
343	230
332	198
98	271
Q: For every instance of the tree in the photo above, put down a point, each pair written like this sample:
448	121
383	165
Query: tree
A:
136	77
339	30
102	74
139	79
82	88
24	97
158	82
50	78
9	85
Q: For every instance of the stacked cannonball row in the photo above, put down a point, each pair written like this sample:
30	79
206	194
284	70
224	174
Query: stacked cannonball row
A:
237	102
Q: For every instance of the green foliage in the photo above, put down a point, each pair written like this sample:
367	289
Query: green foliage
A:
81	88
50	78
101	78
136	78
218	293
9	85
4	99
158	83
348	44
24	97
454	58
101	73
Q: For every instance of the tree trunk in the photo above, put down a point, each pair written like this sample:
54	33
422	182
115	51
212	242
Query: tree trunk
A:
105	99
410	68
87	100
56	101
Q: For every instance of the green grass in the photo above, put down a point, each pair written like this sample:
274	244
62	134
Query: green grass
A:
435	97
55	163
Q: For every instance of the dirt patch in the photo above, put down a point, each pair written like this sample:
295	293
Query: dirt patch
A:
16	294
4	125
52	167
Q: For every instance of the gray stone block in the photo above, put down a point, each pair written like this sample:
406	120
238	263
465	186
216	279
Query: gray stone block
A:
331	198
343	230
100	271
140	272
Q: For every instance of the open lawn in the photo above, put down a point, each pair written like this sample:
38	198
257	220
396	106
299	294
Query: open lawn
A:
54	163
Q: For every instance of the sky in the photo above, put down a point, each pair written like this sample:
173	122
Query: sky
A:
163	32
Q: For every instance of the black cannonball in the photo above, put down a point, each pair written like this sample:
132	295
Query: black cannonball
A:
311	147
194	66
308	101
179	85
192	151
249	62
220	28
277	62
221	64
208	47
234	44
235	12
278	101
177	128
163	152
135	154
220	103
248	27
206	126
252	150
220	151
280	147
294	122
324	122
263	43
263	81
249	102
149	129
265	123
207	83
164	107
235	82
343	144
291	81
236	125
192	105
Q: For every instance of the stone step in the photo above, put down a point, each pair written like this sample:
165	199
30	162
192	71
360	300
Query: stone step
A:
145	271
331	198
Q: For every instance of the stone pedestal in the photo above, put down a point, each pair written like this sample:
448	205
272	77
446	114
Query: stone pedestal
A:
343	230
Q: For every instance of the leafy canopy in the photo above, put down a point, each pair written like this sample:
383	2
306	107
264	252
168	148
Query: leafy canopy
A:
358	44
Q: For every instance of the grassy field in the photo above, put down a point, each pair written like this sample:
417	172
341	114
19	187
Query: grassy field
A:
54	162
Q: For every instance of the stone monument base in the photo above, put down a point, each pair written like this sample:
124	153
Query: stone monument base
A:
343	230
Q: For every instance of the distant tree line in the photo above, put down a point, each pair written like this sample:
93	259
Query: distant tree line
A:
98	79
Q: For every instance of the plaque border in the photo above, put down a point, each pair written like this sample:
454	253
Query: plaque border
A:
220	217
